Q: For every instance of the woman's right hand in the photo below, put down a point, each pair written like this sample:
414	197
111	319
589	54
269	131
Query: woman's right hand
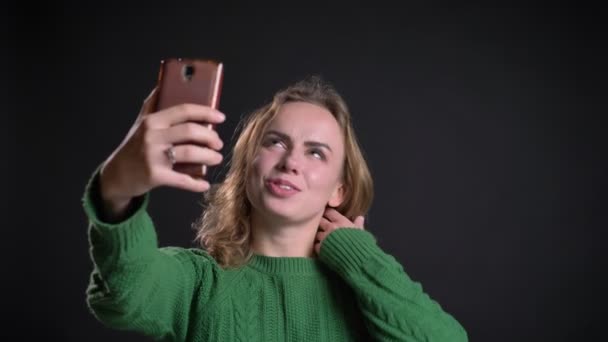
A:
140	163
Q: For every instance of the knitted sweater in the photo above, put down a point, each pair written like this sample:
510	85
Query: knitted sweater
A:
352	292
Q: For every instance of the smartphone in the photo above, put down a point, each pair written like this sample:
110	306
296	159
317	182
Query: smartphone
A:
189	80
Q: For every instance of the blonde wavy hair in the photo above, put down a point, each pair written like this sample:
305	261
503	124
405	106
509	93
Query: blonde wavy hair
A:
223	229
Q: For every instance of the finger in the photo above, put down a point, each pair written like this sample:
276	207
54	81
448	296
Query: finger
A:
321	235
183	181
334	216
186	112
196	154
325	224
189	132
359	221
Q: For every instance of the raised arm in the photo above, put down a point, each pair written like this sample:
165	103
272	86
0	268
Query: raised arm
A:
395	308
134	284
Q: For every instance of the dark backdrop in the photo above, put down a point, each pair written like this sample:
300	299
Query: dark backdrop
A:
482	127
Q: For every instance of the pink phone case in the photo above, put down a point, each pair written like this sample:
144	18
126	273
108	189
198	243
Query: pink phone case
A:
183	80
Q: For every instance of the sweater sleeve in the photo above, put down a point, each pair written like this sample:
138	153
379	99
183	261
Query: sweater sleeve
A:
136	286
394	307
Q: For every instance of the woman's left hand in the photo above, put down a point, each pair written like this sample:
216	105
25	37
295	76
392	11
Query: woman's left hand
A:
332	220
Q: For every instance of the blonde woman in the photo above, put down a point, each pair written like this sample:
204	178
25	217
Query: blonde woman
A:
284	255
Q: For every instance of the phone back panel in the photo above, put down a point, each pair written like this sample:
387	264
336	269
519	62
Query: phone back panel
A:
195	81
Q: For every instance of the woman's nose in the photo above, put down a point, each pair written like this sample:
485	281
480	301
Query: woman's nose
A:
290	162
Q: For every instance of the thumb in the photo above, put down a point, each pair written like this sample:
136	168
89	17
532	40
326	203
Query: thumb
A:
149	104
360	221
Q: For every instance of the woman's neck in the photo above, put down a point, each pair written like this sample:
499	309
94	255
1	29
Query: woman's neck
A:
283	239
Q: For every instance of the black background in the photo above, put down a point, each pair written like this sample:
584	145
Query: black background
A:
482	127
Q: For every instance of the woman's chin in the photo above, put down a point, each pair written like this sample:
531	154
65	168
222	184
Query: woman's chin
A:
280	212
285	212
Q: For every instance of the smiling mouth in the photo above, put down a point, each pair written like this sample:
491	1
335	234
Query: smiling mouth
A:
280	190
285	186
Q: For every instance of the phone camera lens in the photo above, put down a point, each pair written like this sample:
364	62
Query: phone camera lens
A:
188	72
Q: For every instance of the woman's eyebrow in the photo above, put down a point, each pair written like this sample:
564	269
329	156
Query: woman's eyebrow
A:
307	143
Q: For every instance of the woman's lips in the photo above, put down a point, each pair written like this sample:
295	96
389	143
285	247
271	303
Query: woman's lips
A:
281	188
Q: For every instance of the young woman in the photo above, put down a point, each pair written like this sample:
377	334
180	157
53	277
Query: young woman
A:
284	253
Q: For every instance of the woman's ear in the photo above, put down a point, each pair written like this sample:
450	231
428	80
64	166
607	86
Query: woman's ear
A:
337	197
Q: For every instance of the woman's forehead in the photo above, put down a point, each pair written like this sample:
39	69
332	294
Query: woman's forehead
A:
303	119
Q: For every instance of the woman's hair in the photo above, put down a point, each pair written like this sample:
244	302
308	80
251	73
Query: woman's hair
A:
224	227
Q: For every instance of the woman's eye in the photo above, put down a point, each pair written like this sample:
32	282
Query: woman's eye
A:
318	154
273	142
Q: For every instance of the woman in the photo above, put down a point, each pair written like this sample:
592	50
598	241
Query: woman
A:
284	254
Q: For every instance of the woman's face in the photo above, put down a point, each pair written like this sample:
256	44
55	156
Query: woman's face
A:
297	170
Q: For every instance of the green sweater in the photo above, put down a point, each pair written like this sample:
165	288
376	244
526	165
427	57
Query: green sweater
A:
352	292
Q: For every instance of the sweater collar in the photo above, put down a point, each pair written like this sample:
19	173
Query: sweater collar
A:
293	265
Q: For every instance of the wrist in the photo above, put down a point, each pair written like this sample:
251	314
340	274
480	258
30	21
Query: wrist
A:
114	206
